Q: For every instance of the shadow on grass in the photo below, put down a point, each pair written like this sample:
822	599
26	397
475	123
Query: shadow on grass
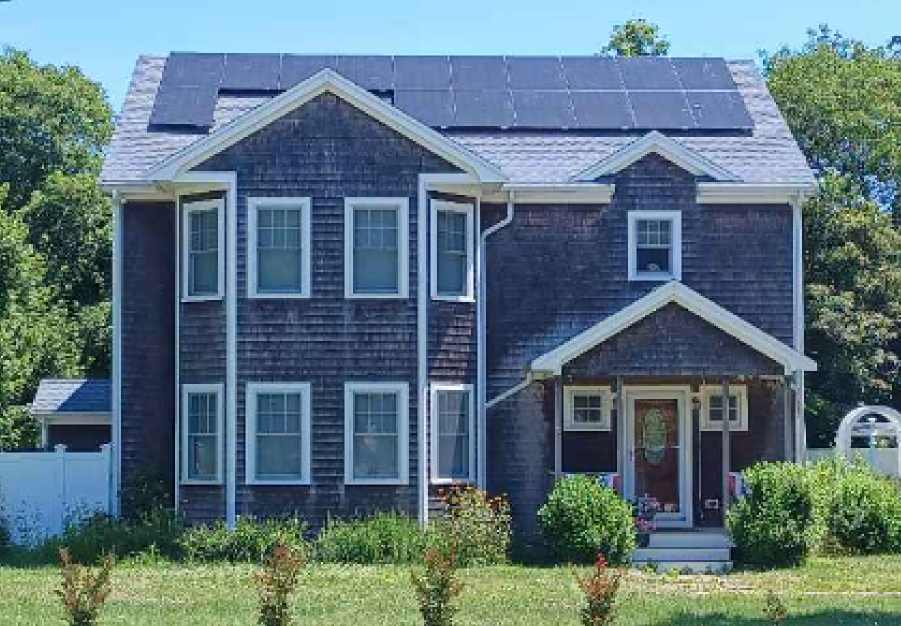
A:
840	617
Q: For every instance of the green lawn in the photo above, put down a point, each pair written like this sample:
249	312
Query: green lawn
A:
826	591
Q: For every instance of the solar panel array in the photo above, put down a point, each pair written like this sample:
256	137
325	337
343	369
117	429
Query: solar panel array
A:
556	93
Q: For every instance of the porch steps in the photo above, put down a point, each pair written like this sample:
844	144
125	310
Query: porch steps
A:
687	551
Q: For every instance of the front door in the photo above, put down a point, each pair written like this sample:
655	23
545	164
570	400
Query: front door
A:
658	454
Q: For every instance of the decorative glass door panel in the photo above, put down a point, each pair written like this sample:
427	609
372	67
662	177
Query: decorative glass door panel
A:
657	453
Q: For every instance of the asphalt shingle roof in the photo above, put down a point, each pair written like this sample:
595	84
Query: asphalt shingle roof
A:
769	154
55	395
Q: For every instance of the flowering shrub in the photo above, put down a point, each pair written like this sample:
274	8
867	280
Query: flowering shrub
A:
477	526
437	586
83	591
276	582
600	589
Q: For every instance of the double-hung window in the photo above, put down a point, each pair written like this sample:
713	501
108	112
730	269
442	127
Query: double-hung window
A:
376	247
452	436
586	408
277	433
201	434
203	245
452	251
376	435
655	245
712	417
278	247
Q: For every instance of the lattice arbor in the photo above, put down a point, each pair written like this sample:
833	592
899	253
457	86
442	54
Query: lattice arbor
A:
878	428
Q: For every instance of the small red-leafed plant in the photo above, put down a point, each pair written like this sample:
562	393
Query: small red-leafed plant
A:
437	586
276	581
774	608
84	590
600	589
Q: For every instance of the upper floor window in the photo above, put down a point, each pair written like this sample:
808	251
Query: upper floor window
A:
277	429
452	251
712	414
203	245
201	433
655	245
376	437
278	247
452	439
586	408
375	247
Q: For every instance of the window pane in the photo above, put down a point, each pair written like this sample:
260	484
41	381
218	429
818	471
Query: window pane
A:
202	457
451	231
375	435
203	254
279	254
453	456
453	434
375	262
653	259
278	456
716	408
204	273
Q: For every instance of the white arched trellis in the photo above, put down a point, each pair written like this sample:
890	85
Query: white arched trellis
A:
860	418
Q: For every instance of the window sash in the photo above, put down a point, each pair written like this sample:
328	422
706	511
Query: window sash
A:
376	435
715	408
453	415
203	251
452	252
588	408
279	429
202	436
279	249
376	259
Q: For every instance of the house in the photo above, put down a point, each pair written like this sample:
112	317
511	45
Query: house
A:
344	282
73	412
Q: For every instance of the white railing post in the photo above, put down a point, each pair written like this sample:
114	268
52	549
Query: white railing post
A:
107	456
60	450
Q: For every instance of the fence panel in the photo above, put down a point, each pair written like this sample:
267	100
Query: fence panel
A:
884	460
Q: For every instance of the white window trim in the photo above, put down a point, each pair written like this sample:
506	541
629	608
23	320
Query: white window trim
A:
715	390
437	388
253	205
569	423
675	217
250	431
217	204
468	210
402	205
403	431
186	390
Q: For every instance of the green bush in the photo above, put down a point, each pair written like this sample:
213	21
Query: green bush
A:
477	527
382	538
251	541
145	493
582	518
776	523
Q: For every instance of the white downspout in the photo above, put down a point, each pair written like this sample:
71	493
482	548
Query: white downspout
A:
116	434
481	365
798	303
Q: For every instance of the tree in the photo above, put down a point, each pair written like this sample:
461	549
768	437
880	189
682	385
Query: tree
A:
636	37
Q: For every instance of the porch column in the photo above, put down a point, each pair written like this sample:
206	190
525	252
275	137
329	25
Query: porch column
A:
558	428
620	429
787	416
726	446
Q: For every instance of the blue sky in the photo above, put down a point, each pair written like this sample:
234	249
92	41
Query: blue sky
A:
104	37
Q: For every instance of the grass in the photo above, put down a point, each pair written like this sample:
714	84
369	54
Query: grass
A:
827	591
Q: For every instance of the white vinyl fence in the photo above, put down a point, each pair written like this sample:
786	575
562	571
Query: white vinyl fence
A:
884	460
41	492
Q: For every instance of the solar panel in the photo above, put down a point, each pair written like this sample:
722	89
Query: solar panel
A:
251	72
602	109
422	72
369	72
184	105
535	73
478	72
433	107
483	108
703	74
591	73
297	68
543	109
661	110
719	110
648	73
193	68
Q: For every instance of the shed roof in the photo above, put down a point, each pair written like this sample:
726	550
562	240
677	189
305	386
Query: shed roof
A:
66	395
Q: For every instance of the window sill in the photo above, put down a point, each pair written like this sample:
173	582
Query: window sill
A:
212	298
586	429
375	296
716	428
448	298
278	483
450	482
278	296
186	482
653	277
375	482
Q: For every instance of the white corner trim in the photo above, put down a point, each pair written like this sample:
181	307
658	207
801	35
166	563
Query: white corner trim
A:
332	82
186	391
402	206
468	210
569	394
250	431
675	218
436	389
552	362
735	389
667	147
306	218
187	209
750	193
402	390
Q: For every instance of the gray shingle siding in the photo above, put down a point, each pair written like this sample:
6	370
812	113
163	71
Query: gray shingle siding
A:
326	150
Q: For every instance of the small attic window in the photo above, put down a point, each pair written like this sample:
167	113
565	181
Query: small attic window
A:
655	245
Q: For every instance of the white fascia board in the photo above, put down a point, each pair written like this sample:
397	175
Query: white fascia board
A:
752	193
325	81
552	362
670	149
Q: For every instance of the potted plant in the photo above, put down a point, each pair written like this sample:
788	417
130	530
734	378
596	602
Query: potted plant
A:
646	509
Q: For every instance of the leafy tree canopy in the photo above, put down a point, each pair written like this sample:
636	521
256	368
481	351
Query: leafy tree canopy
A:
636	37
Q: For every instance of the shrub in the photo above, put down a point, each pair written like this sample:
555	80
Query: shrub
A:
774	608
478	527
145	493
382	538
437	586
600	591
582	518
775	524
19	429
251	541
83	591
276	582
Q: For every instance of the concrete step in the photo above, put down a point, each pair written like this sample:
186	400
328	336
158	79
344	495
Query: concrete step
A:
688	567
680	554
676	539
